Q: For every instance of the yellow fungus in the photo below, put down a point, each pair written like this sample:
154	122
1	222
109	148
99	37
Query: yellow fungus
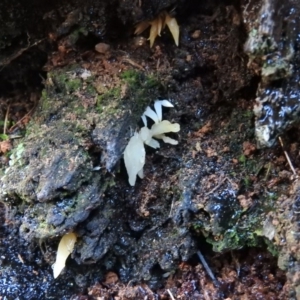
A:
157	25
174	28
65	248
142	26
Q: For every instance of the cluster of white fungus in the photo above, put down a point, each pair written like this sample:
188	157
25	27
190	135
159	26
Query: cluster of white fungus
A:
135	154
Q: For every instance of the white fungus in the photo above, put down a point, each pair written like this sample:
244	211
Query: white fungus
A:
135	154
134	157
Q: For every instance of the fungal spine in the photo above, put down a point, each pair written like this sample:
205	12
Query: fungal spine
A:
157	25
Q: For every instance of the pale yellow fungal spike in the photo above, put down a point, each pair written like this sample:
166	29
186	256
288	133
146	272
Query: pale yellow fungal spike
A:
141	27
160	24
153	32
164	126
134	157
65	248
174	28
157	25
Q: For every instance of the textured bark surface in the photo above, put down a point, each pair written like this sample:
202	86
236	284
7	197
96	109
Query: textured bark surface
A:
214	191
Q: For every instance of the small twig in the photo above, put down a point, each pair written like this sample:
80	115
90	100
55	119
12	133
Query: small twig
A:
157	64
216	187
219	184
19	121
171	209
268	171
21	258
6	120
150	291
170	293
133	63
130	281
20	52
287	157
208	270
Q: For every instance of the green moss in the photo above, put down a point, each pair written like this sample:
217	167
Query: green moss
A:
109	102
233	226
248	230
106	98
242	159
16	155
130	76
247	182
151	82
248	114
90	89
272	248
79	110
44	94
73	85
236	238
260	46
44	101
197	227
139	81
142	89
249	167
80	128
66	81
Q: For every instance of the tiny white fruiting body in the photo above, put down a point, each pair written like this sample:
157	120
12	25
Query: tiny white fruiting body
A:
135	154
134	157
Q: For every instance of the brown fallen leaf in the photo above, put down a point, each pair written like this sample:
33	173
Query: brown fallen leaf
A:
5	146
203	130
248	148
